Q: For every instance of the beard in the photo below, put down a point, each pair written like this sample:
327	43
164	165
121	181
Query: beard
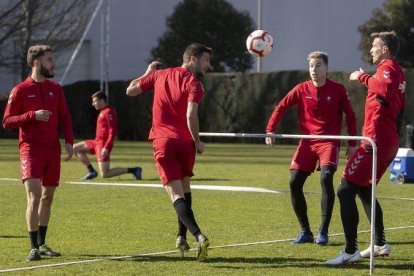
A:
46	73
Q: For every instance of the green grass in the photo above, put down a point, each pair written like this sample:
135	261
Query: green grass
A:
91	222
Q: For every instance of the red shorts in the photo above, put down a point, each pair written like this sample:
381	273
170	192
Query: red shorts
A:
174	158
96	148
359	168
40	162
309	153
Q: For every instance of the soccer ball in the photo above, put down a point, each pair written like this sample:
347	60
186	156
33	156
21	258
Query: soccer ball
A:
259	43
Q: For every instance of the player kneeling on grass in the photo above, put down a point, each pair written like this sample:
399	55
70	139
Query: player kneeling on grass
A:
384	107
175	133
37	106
106	129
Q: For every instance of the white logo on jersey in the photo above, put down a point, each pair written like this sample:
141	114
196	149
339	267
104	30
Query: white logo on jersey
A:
402	86
328	98
51	94
31	96
308	97
11	97
386	74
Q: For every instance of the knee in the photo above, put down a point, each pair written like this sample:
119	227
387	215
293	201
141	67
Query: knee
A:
344	190
47	200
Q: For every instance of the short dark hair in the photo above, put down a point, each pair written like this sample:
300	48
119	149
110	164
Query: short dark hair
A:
196	50
318	54
100	95
36	52
390	40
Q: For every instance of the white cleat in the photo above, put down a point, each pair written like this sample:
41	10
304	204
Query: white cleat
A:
379	251
345	258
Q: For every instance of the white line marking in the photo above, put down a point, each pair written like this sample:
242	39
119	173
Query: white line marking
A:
10	179
195	187
175	252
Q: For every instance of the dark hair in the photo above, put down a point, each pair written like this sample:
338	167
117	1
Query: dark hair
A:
36	52
100	95
390	40
317	54
196	50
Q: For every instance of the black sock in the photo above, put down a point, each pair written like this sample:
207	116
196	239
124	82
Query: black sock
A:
328	196
182	230
90	168
33	239
297	180
131	170
42	235
186	215
347	192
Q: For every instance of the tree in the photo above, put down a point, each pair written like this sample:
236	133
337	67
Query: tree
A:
397	15
216	24
27	22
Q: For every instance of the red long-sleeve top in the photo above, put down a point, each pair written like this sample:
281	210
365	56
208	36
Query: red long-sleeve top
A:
320	109
30	96
385	101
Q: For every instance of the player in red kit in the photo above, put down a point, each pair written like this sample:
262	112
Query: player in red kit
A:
175	133
321	103
384	107
101	146
37	107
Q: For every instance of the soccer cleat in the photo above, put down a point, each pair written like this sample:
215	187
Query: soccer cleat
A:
322	238
303	238
182	244
345	258
137	173
47	251
34	255
203	244
90	175
379	251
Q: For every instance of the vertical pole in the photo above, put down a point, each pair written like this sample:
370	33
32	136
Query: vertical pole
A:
259	27
373	206
107	51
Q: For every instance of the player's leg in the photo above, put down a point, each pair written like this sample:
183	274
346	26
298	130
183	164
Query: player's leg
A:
327	203
303	164
33	195
106	171
81	150
347	192
181	243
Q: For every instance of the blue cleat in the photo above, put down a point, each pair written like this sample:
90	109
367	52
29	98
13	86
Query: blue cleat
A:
90	175
137	173
303	238
322	238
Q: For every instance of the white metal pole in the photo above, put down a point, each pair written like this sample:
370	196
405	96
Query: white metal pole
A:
75	53
107	51
334	137
259	27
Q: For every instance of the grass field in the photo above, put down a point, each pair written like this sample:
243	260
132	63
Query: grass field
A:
94	223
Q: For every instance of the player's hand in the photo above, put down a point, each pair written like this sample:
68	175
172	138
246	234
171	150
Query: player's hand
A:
104	153
355	75
152	67
270	140
69	151
200	147
350	151
42	115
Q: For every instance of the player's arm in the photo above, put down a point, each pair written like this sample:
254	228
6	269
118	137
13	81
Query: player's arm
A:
290	100
111	122
193	125
65	123
134	88
13	116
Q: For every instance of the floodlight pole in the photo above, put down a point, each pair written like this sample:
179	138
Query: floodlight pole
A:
333	137
105	50
259	27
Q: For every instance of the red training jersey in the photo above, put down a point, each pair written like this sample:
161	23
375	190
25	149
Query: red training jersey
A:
30	96
385	101
106	127
319	109
173	88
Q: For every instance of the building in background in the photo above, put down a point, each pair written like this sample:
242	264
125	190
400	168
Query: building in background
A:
297	26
